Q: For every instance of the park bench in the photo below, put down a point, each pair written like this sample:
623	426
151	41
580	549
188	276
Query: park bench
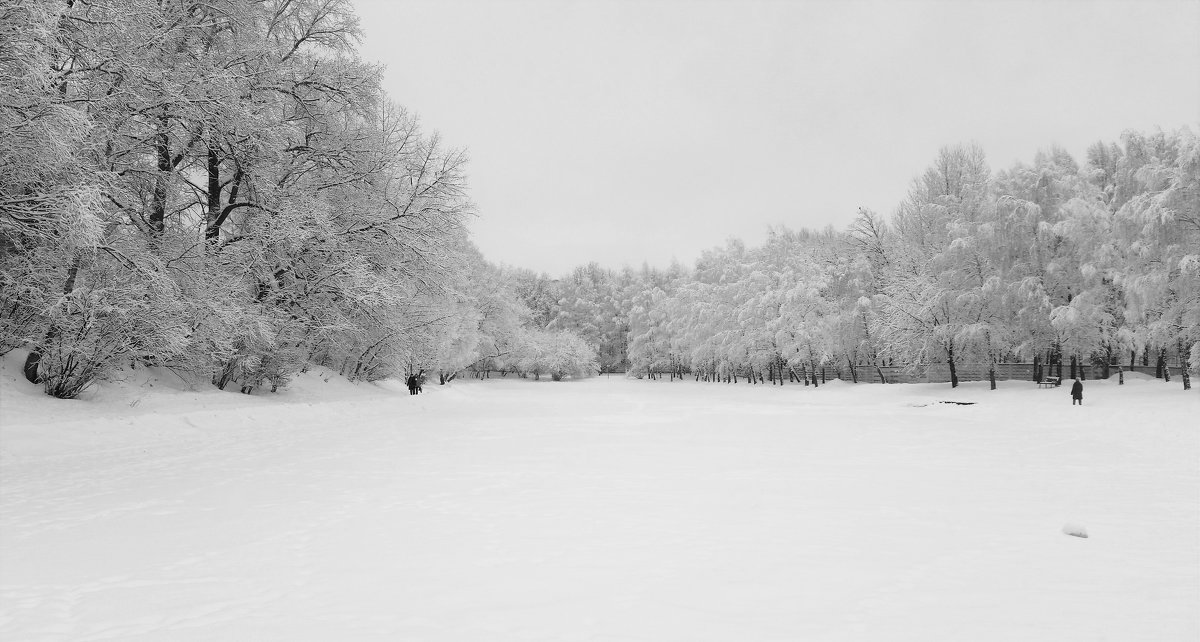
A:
1049	382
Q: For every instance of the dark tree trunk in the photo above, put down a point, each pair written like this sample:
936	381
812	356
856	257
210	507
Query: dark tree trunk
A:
1037	368
30	369
1074	359
953	370
992	374
212	229
1184	365
162	148
31	366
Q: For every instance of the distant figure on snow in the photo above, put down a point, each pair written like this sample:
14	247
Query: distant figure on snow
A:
413	386
1077	392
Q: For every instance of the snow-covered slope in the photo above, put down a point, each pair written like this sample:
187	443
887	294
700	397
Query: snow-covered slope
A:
604	509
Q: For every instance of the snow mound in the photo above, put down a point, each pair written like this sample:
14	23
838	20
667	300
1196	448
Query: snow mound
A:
1075	530
137	390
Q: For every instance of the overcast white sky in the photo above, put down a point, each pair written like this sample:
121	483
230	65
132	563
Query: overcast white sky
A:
623	132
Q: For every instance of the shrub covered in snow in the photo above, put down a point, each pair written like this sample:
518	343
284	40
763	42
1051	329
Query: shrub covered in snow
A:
558	354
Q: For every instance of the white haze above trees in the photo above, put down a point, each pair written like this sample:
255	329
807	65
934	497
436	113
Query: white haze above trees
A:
224	189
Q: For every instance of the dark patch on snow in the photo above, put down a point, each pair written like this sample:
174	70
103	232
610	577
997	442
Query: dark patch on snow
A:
1075	530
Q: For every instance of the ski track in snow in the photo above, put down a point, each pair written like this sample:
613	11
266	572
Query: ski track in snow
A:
603	510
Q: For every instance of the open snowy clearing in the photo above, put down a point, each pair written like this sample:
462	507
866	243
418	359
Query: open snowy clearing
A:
606	509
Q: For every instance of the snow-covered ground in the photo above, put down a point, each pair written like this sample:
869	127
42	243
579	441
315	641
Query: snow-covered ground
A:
602	510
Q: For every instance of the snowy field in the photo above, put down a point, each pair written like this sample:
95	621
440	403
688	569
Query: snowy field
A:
600	510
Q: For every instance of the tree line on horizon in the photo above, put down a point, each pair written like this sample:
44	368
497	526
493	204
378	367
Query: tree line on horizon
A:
1095	264
225	190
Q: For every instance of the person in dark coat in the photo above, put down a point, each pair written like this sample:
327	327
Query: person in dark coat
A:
1077	392
411	382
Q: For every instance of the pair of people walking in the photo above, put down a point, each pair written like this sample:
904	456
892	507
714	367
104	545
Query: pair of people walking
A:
414	383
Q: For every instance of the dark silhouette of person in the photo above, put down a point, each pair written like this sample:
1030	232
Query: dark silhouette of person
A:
411	382
1077	393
